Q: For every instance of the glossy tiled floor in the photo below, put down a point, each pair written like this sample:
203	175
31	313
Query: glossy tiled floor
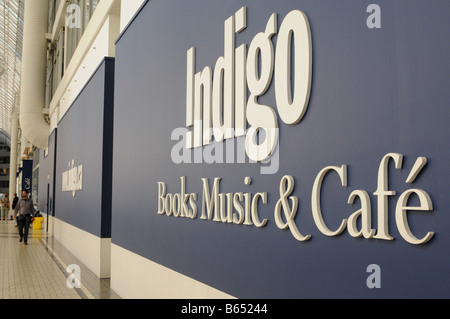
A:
39	270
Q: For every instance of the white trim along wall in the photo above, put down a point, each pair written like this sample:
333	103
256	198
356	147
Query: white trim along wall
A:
97	258
147	279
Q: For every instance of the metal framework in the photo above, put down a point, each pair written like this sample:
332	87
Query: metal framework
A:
11	33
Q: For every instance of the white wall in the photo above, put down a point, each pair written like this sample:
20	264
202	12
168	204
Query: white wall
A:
94	252
127	10
97	42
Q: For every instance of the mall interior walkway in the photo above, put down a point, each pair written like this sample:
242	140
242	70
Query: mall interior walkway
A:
39	270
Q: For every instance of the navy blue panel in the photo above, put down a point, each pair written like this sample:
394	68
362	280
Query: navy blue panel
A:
27	174
374	91
108	127
46	188
84	137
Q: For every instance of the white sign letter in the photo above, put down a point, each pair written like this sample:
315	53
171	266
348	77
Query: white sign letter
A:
292	111
402	220
315	199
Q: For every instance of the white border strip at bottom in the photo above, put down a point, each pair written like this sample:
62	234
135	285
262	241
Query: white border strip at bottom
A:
133	276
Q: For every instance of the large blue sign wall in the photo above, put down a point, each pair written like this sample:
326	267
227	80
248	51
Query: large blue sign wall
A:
375	90
84	156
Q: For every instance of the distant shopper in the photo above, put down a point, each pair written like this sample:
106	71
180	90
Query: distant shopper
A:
13	206
5	208
15	200
24	214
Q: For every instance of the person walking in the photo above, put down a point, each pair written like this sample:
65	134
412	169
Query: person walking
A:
5	208
13	206
1	207
24	209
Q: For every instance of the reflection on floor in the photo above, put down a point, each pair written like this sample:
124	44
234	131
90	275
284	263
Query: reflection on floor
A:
39	270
